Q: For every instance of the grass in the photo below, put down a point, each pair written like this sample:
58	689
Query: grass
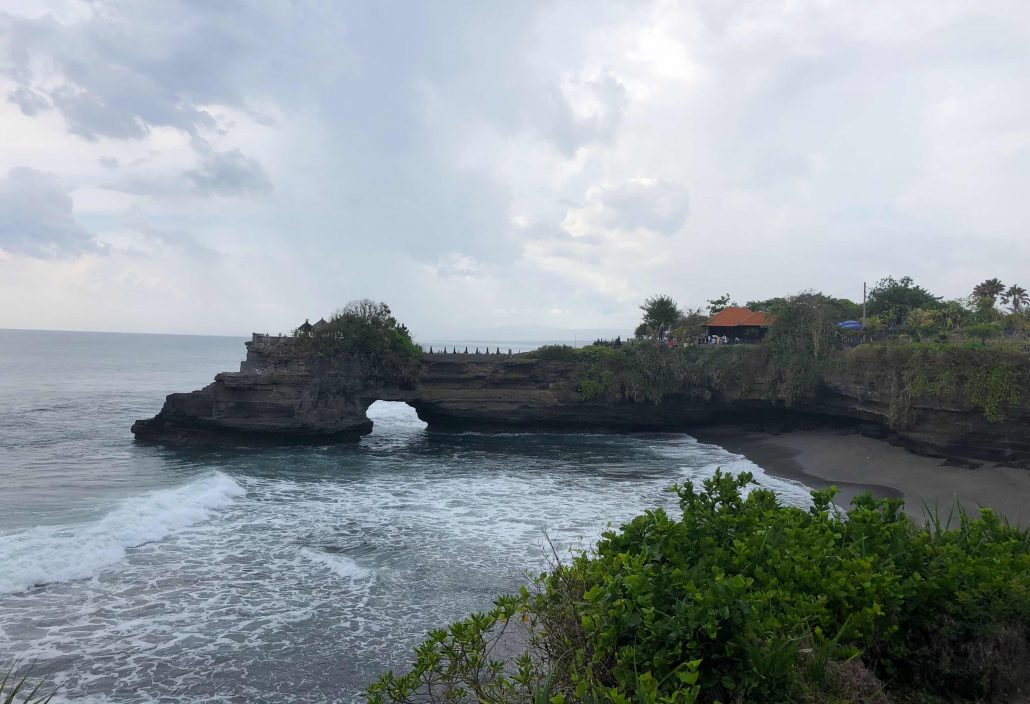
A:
17	688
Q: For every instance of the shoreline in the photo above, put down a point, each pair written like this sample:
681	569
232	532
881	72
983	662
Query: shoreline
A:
855	464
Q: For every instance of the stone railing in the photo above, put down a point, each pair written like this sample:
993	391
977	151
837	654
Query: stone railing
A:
262	338
448	351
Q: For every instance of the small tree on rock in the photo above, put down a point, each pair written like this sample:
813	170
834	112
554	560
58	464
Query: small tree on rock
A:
660	315
719	304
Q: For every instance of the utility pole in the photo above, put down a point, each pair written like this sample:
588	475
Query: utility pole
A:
863	304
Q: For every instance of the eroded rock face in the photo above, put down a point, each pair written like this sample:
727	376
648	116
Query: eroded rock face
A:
944	427
285	394
497	392
280	394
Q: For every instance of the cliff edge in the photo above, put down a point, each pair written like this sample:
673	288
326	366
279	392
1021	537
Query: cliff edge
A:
286	392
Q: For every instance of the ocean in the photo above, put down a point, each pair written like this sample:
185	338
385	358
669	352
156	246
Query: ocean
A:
135	573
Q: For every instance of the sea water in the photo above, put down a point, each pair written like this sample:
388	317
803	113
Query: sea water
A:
135	573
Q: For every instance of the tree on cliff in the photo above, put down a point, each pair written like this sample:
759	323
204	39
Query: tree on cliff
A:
368	328
991	288
893	299
691	324
717	305
801	335
1016	297
660	315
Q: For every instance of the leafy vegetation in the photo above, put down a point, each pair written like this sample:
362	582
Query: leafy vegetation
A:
660	315
367	328
893	299
805	346
803	335
740	599
989	289
991	379
1017	297
717	305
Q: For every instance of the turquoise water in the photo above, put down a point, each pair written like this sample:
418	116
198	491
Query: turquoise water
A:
135	573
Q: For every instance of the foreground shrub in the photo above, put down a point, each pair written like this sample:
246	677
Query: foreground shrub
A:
740	599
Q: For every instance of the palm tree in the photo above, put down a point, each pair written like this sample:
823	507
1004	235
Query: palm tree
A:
1015	296
919	322
991	288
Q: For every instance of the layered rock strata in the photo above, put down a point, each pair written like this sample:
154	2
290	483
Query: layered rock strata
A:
284	393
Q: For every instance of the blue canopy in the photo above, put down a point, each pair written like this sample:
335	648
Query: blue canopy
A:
850	325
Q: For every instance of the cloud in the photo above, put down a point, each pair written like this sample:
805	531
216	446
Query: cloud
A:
419	155
455	265
173	238
580	111
229	173
31	102
117	73
635	204
36	218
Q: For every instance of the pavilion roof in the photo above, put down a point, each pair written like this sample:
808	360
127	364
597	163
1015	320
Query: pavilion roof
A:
733	316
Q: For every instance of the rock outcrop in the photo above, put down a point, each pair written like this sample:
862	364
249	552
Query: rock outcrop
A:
284	393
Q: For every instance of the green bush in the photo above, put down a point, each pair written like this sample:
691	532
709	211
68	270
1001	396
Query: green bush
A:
740	599
368	329
555	353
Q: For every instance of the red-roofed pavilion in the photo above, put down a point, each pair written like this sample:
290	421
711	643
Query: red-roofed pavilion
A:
736	322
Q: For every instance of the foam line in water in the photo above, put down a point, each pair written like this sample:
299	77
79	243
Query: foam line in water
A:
50	554
339	564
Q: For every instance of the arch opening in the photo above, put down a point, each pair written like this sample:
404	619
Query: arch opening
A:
394	419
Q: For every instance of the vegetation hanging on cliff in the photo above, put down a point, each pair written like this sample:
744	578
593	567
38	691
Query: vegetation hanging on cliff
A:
994	380
740	599
802	336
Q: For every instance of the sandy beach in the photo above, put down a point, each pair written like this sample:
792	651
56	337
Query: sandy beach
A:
855	464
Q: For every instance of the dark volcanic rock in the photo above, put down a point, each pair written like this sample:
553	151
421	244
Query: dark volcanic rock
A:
279	395
284	393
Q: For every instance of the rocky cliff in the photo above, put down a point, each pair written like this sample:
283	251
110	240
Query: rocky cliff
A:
285	393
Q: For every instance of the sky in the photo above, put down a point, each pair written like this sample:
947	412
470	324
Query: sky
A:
226	167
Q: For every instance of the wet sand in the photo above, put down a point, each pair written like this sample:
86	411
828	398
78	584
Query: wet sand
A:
854	464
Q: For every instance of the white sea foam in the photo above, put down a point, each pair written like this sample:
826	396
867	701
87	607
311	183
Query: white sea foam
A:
339	564
51	554
341	555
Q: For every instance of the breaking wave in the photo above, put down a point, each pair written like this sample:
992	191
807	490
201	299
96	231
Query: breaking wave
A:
49	554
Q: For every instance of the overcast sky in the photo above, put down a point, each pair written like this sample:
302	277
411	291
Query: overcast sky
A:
219	167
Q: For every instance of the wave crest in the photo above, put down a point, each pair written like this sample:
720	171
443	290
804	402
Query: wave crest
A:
50	554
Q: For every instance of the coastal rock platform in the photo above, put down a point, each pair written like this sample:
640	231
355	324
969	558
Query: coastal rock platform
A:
284	393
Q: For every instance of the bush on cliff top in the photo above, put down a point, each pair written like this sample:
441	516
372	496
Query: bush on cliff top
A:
740	599
368	328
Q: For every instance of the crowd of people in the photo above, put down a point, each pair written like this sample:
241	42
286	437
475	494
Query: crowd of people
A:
705	340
